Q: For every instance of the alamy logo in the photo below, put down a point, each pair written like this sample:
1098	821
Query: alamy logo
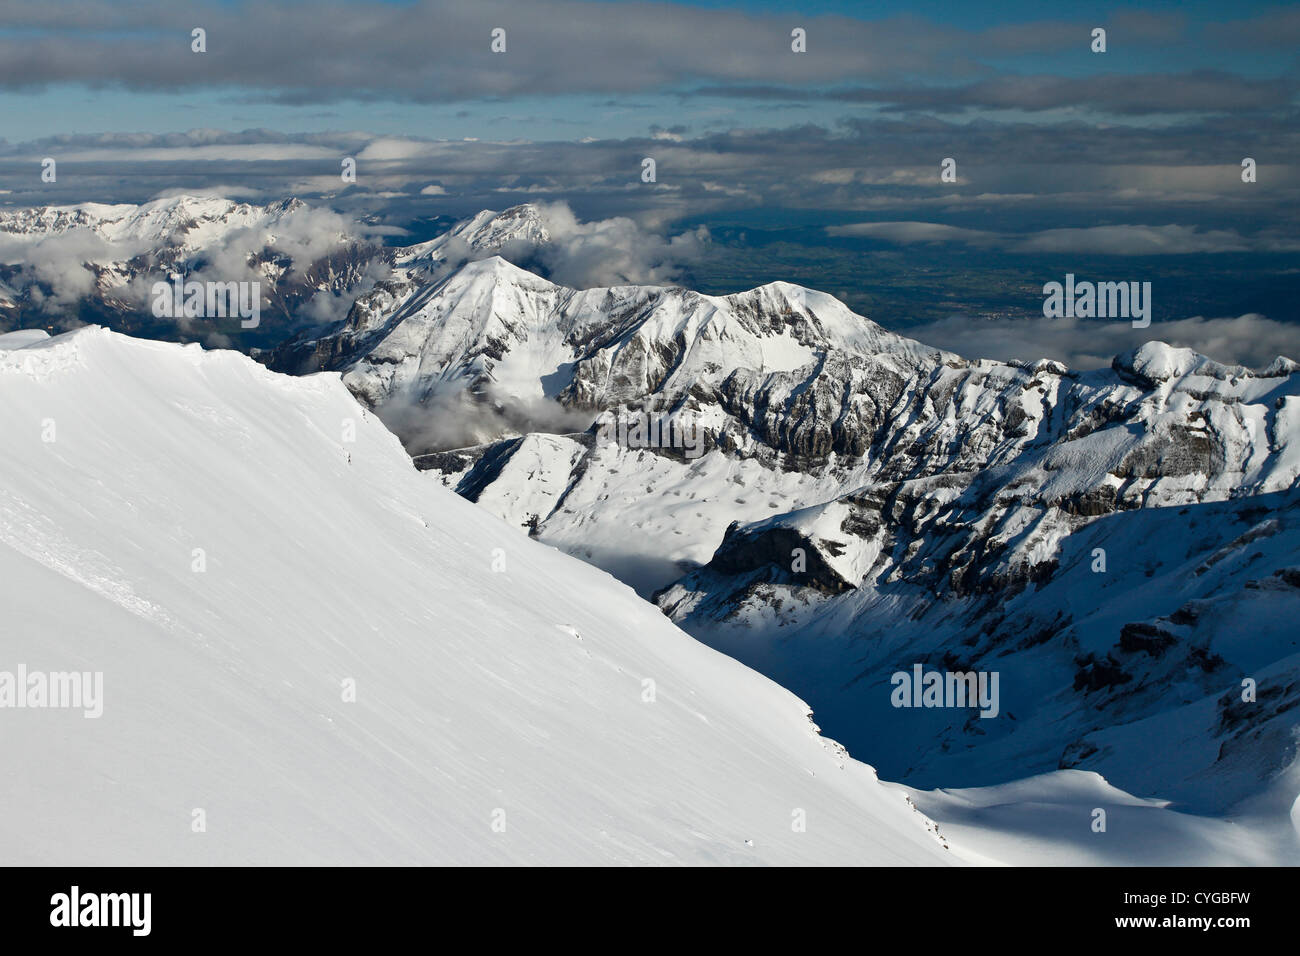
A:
647	430
923	688
208	300
1098	300
70	690
75	908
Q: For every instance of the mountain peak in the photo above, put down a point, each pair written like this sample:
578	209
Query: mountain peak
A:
485	231
1156	362
492	230
498	269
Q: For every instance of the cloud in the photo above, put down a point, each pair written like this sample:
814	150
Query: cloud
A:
1251	340
589	254
439	50
1278	28
1125	94
59	270
911	232
1125	240
57	263
1072	173
1139	240
458	420
66	278
606	252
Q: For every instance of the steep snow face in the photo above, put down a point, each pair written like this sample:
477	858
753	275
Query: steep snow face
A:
459	333
322	656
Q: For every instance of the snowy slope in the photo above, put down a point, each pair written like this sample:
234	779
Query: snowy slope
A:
1048	820
327	560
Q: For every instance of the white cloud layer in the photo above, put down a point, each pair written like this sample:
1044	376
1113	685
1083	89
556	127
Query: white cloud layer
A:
1251	340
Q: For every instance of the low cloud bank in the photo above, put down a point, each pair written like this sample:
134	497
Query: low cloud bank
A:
1252	340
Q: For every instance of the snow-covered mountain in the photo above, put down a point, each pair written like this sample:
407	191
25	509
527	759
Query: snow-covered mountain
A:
236	550
1119	547
93	261
415	270
325	278
486	230
185	223
864	503
1124	562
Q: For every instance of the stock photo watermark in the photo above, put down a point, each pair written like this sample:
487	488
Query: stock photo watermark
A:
1098	300
208	300
967	689
680	431
23	689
